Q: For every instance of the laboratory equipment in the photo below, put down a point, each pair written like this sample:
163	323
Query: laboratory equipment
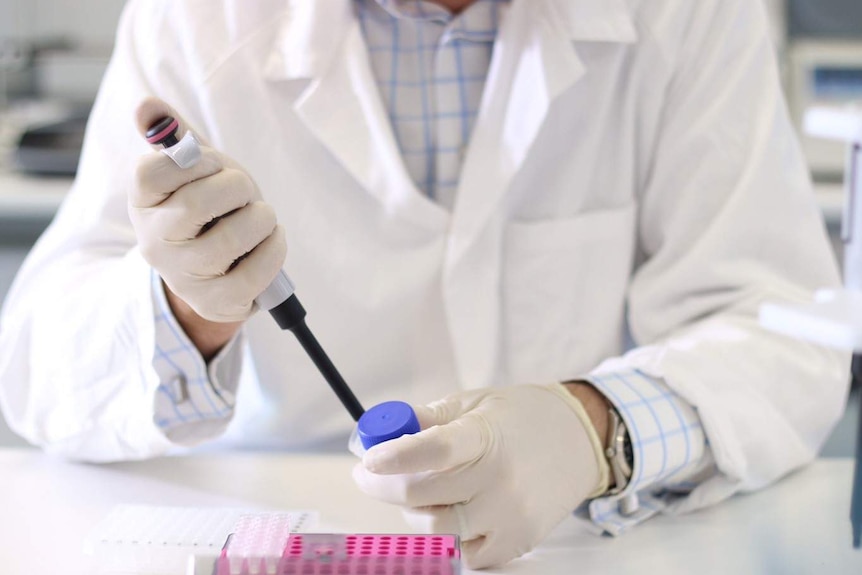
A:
823	73
138	539
52	148
834	318
383	422
278	298
141	539
824	69
266	545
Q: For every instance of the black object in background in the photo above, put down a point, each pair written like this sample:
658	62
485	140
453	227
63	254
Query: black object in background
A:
52	149
825	19
856	498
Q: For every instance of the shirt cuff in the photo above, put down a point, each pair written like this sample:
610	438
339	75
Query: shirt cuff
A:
670	449
194	402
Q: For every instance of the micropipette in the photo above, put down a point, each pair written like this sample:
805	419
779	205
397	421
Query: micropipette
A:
381	423
279	298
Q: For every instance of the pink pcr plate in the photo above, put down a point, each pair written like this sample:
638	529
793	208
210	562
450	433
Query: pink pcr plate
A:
355	554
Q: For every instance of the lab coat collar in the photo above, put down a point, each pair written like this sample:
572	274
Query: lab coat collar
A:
535	62
595	20
321	43
314	30
309	38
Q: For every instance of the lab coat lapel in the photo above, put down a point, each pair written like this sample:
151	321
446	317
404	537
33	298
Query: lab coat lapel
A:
322	44
534	62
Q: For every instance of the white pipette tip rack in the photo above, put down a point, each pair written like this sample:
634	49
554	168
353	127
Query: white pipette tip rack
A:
153	540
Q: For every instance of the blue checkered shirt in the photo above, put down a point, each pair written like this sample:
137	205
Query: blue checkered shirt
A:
430	67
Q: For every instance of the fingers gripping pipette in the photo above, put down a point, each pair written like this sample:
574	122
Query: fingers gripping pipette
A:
381	423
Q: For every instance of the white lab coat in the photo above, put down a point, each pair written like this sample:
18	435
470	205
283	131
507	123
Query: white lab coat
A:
632	160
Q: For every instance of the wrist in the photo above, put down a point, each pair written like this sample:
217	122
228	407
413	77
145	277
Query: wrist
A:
610	429
577	400
595	404
209	337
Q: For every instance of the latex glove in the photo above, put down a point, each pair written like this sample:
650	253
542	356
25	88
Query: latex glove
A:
172	209
500	467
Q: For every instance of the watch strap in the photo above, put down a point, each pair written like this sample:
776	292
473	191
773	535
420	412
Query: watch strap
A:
618	453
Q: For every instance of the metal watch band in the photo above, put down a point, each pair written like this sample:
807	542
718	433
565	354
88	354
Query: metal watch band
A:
618	452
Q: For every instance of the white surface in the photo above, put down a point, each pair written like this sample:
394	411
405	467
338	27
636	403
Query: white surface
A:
844	124
798	526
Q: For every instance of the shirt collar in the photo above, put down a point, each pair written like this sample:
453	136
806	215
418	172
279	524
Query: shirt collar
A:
311	34
478	22
416	10
589	20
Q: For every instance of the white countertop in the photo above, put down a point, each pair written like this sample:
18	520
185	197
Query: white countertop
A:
800	525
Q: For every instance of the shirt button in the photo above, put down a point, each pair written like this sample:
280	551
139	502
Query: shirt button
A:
179	390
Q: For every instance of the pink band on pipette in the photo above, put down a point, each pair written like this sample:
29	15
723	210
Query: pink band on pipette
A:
158	137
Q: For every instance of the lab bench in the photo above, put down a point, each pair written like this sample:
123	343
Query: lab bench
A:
799	525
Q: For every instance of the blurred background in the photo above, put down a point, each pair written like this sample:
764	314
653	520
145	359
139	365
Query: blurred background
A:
53	54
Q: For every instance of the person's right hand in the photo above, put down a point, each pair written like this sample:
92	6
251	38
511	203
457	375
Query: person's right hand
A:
205	230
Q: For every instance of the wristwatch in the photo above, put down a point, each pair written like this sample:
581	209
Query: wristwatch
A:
618	452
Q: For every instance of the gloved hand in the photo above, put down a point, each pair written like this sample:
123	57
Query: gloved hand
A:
172	211
500	467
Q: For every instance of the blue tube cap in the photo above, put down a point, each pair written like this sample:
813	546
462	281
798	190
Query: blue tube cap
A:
386	421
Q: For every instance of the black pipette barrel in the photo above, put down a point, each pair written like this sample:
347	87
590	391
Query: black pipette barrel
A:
856	502
291	315
327	369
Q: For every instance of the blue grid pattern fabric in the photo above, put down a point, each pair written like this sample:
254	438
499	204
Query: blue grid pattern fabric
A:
430	67
669	446
189	390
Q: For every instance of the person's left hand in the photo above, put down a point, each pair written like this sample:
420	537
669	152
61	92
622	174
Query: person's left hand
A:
500	467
